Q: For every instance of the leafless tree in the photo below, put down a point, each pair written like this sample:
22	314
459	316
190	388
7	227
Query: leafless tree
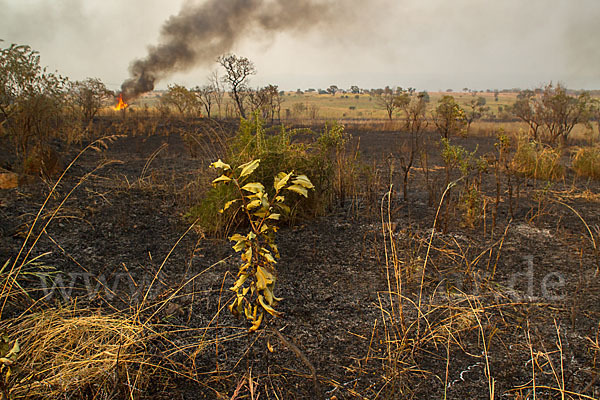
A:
414	107
206	96
237	69
259	101
218	91
274	101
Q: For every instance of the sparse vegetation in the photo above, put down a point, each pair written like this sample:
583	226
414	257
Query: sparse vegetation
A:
483	282
449	117
586	162
537	161
552	113
31	101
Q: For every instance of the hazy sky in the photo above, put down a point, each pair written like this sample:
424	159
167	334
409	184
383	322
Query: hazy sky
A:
428	44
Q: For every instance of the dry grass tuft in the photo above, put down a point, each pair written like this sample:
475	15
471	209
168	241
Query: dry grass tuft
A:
67	351
586	162
537	161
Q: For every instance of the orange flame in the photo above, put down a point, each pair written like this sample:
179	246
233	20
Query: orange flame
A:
121	105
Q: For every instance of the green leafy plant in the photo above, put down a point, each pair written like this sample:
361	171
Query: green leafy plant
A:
449	117
457	156
277	153
31	99
471	205
256	276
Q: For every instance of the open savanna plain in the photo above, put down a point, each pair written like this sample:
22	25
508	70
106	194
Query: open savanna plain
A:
476	279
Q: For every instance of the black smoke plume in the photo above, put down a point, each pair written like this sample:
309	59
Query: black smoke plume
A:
202	32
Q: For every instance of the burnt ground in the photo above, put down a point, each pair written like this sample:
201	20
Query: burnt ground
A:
488	290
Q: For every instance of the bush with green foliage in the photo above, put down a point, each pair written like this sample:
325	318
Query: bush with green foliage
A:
449	117
31	99
470	198
324	161
552	112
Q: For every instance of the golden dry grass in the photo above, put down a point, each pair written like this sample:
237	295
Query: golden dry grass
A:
65	351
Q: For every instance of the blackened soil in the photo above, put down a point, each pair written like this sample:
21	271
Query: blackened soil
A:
494	295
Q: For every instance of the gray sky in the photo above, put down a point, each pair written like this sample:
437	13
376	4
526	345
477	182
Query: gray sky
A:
428	44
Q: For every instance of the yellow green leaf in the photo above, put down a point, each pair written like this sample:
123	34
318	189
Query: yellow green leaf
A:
281	180
284	208
267	307
237	237
299	189
303	180
254	187
269	257
222	178
264	278
274	216
256	323
247	256
253	204
261	279
261	213
268	295
280	199
248	168
228	204
239	283
239	246
220	164
277	299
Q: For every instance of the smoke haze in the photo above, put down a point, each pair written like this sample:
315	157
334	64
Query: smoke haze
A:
432	44
202	32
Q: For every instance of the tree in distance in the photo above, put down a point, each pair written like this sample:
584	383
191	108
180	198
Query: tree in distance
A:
449	117
333	89
237	70
477	107
180	97
88	97
206	96
389	99
414	108
552	113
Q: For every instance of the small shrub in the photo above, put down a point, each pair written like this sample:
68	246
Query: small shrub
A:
586	162
471	207
537	161
277	153
261	210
